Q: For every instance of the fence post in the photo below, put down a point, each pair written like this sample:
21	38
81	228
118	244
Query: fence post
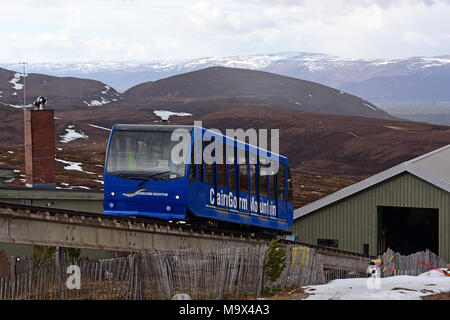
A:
262	260
59	280
131	276
12	265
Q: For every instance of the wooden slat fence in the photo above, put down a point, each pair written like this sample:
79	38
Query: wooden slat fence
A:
408	265
303	267
226	273
230	273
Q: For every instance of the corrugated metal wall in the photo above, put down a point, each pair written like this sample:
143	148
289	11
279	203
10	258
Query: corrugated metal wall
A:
353	221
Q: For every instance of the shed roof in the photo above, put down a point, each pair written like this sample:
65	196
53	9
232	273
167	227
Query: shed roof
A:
433	167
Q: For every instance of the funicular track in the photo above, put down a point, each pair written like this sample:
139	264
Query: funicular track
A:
26	224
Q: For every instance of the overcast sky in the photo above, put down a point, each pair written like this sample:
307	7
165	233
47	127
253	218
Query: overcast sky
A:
122	30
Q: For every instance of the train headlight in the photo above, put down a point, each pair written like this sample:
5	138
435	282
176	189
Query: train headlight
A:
111	205
177	197
168	208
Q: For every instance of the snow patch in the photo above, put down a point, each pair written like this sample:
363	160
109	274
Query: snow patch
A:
20	106
371	107
72	135
107	89
382	62
97	103
390	288
17	86
295	102
435	62
71	165
165	115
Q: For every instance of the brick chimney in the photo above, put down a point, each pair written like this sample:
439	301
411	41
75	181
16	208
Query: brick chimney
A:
39	148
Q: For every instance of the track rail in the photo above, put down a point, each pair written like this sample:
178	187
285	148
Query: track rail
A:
138	220
69	228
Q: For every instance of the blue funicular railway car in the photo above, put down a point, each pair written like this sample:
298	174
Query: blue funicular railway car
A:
247	190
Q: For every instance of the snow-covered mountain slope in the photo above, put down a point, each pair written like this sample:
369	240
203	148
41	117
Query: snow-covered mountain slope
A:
337	72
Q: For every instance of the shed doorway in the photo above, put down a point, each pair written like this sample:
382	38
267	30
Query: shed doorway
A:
408	230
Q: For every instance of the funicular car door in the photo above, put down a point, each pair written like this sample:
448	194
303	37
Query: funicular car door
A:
221	174
282	191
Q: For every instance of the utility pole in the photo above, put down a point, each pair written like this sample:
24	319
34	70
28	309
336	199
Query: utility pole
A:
24	75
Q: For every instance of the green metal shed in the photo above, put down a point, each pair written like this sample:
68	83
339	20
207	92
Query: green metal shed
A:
406	208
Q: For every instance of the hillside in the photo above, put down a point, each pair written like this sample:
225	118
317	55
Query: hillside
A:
328	144
65	92
222	85
327	152
333	144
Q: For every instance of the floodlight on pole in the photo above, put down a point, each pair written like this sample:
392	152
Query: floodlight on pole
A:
24	75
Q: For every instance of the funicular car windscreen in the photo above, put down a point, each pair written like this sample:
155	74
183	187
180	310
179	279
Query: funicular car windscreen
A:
144	155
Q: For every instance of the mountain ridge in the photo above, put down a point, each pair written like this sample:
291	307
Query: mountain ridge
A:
216	86
251	87
329	70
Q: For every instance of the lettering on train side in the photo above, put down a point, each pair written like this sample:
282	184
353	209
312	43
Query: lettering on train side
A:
225	200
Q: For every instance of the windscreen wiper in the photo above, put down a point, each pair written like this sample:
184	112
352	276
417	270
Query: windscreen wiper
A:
149	177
